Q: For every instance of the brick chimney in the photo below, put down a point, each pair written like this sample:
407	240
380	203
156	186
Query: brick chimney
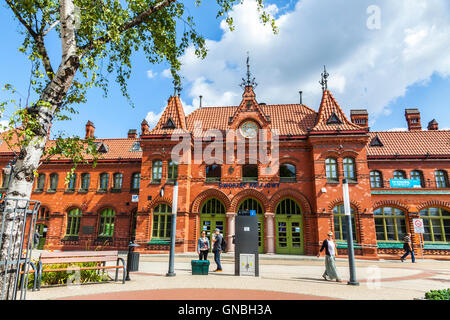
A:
89	130
413	119
144	128
360	117
132	134
433	125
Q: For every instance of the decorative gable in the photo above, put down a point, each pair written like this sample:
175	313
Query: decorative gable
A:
102	147
169	124
376	142
334	119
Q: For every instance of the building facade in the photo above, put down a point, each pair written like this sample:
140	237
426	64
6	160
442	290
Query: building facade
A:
128	195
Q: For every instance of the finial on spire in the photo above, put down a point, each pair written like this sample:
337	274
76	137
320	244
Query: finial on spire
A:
324	81
249	82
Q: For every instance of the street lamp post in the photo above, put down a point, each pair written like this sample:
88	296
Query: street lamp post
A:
171	272
351	255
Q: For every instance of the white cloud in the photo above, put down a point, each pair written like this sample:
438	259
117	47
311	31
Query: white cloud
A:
397	129
151	74
166	73
368	68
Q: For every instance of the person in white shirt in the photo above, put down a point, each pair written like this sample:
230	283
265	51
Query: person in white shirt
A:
331	250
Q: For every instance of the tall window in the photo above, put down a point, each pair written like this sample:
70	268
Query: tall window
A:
85	178
213	173
331	169
104	180
340	223
441	179
106	225
40	184
376	179
73	222
418	175
288	207
53	182
399	174
43	214
135	181
162	221
349	169
436	222
390	224
172	172
250	173
117	181
157	171
287	172
72	182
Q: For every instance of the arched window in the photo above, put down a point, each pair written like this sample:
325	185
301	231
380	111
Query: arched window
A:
73	222
104	181
376	179
250	173
162	221
213	206
251	204
43	214
53	182
418	175
287	172
288	207
390	224
106	225
135	181
85	179
172	172
340	224
331	170
40	183
156	171
441	179
399	174
117	181
436	222
349	169
213	173
72	182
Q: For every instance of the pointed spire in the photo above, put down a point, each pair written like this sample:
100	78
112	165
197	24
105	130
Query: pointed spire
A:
173	117
249	82
324	81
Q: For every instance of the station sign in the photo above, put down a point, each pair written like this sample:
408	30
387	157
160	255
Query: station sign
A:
404	183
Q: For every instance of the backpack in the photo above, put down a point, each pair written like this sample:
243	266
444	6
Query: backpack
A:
224	244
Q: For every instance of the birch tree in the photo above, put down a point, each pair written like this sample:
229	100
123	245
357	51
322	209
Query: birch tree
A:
91	33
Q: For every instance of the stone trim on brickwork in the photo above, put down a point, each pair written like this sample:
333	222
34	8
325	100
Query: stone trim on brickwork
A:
301	199
433	203
249	193
207	194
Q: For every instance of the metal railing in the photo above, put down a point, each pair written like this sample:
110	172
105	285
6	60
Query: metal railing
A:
18	223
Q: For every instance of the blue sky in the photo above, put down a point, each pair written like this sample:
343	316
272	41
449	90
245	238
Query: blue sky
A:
403	64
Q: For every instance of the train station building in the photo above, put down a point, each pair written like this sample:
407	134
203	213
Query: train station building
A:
128	195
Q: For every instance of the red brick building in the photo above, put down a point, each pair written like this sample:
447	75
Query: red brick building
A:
128	195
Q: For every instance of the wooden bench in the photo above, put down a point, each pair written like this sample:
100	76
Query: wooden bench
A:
71	257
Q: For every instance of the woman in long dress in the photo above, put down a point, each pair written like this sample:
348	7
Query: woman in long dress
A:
331	250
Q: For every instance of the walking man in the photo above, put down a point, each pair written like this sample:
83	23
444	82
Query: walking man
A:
217	249
330	266
36	237
408	247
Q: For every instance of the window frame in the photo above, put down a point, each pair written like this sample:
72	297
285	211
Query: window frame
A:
373	177
106	223
38	182
340	215
133	181
402	172
54	177
398	235
421	177
213	179
162	219
71	185
83	177
73	221
250	179
172	171
102	181
285	178
349	167
331	166
117	181
431	223
441	179
157	174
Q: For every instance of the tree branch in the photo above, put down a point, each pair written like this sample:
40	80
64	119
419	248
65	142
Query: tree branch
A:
130	24
22	20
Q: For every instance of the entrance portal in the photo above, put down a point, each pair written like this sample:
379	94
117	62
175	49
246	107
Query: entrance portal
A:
212	216
289	227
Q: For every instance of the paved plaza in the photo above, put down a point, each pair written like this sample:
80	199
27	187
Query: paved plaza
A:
281	278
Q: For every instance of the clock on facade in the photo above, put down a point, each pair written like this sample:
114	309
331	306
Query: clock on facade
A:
249	129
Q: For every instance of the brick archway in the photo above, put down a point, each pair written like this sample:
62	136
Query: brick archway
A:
391	203
338	201
290	193
207	194
433	203
158	201
249	193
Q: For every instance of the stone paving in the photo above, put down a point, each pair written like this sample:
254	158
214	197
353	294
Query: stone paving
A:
281	277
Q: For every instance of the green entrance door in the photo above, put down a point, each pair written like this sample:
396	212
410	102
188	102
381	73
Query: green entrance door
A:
212	216
42	230
253	204
289	228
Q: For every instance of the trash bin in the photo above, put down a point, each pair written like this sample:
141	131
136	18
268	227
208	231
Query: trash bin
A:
200	267
133	261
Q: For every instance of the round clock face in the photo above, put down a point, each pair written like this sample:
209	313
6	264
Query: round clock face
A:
249	129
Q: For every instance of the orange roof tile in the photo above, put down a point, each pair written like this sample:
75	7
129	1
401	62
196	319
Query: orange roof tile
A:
172	118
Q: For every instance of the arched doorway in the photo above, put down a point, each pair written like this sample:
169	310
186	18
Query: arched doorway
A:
253	204
212	216
289	227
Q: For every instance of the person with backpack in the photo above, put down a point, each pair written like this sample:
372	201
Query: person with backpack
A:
407	246
219	245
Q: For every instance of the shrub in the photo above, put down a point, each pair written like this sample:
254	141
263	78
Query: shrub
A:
438	294
61	277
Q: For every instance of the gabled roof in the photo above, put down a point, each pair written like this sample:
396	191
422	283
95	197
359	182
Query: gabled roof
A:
410	143
249	104
331	117
173	118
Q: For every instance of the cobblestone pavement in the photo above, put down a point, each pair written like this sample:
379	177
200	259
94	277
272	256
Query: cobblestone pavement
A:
281	277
